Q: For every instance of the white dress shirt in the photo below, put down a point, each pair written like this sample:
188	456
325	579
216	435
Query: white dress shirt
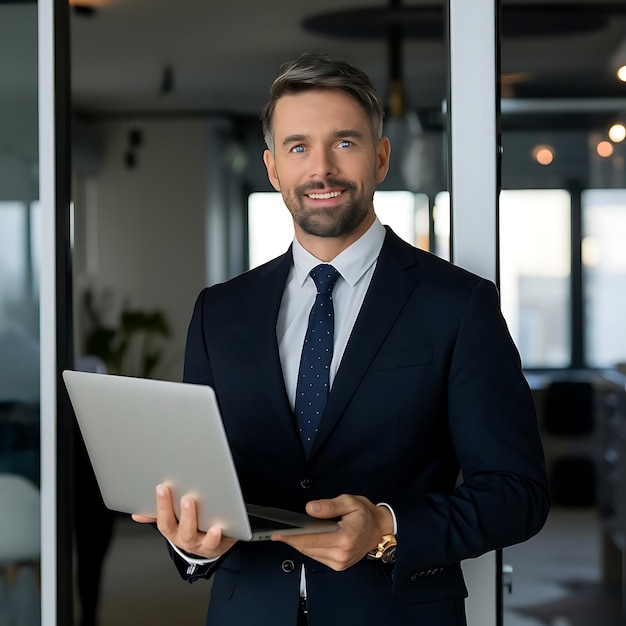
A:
356	265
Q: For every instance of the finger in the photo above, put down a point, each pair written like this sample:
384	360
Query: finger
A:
213	541
188	522
166	517
308	543
187	536
333	507
331	549
143	519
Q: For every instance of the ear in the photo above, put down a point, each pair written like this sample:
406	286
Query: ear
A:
383	153
270	166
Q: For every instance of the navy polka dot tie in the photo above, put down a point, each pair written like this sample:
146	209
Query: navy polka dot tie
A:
317	353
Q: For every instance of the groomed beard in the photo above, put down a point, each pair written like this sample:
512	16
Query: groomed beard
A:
329	222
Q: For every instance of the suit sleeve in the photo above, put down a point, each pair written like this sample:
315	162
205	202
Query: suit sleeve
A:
197	370
504	497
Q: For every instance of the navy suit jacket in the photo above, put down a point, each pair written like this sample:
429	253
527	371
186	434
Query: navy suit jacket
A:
430	384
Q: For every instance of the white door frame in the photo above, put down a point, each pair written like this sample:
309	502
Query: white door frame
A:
473	162
47	313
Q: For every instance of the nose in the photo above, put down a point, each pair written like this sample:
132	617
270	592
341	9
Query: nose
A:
323	163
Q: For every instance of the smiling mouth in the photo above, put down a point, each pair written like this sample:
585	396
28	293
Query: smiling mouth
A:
324	196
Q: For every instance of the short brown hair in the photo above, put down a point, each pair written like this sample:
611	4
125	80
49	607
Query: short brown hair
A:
320	71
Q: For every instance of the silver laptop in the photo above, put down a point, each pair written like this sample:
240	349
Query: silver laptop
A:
140	432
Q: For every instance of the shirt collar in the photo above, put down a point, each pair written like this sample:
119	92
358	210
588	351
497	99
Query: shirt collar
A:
352	263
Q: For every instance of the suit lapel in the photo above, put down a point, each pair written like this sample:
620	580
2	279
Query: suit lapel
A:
392	284
262	315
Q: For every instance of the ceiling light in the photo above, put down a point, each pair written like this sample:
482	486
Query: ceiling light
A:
621	73
604	149
544	155
617	133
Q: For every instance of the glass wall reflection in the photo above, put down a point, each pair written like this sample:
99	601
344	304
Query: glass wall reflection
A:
19	318
563	273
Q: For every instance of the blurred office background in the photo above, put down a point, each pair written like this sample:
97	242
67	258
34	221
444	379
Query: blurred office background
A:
169	194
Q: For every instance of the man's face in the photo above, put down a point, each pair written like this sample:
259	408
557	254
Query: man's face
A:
326	163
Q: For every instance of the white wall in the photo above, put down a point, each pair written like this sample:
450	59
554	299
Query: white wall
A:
140	232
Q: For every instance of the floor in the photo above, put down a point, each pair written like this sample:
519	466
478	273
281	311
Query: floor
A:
556	579
557	576
141	586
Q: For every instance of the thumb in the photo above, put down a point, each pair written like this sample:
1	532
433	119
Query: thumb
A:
322	509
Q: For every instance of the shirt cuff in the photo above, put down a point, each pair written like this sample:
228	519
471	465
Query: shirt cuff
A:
393	515
197	560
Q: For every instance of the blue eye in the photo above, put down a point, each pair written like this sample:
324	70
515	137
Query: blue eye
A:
344	143
298	149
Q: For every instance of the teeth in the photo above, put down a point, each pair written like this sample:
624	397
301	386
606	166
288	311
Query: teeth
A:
324	196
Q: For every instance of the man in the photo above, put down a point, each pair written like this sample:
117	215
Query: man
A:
425	383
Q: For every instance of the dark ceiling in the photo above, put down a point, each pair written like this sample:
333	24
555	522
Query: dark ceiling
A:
194	57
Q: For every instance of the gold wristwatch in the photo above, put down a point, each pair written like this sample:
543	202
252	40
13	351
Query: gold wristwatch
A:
385	551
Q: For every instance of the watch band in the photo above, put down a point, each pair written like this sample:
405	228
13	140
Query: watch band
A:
385	551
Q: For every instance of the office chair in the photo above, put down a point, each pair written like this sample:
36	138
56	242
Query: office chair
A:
20	551
19	521
569	416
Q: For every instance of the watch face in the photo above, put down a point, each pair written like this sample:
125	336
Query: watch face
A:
389	555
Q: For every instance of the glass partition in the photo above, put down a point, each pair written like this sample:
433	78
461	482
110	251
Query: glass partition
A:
535	275
604	272
19	318
563	276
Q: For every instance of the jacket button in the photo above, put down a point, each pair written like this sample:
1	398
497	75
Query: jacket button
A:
306	483
288	566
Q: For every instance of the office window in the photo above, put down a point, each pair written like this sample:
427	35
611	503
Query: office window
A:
13	261
270	228
19	266
604	275
535	262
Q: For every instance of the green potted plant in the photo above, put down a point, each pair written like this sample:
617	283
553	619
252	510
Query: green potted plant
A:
132	347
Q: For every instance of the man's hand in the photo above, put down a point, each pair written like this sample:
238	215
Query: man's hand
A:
360	528
184	533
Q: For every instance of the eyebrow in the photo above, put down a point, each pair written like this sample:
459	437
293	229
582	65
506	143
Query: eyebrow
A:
340	134
294	139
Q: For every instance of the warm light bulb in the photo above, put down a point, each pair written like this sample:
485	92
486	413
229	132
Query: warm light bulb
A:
617	133
621	73
544	155
604	149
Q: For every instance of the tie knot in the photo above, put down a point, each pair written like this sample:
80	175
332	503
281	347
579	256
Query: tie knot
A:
325	277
